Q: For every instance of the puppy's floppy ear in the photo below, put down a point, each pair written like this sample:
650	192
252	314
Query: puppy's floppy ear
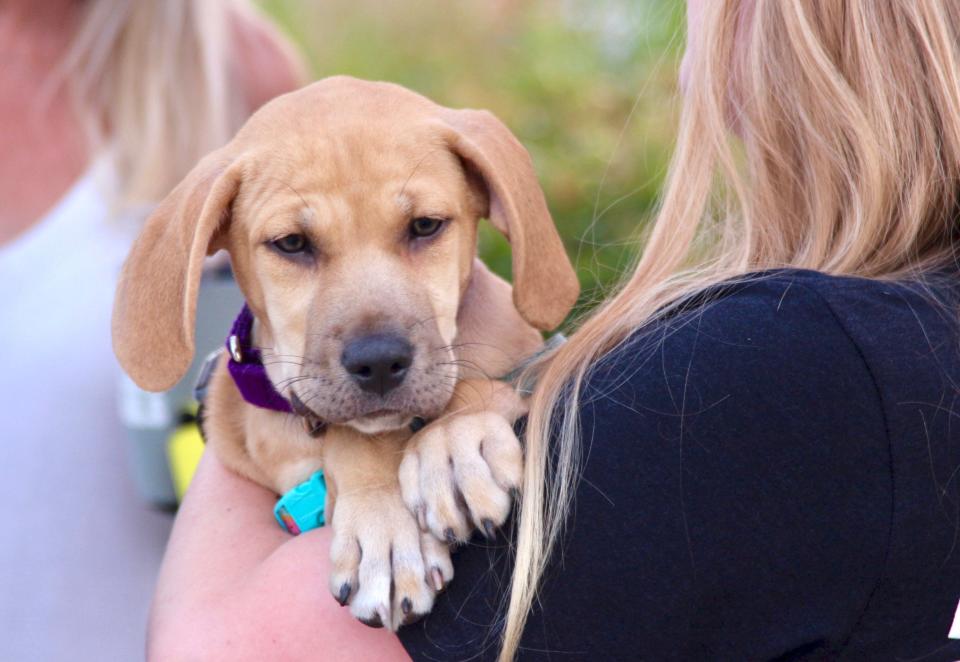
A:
155	307
545	286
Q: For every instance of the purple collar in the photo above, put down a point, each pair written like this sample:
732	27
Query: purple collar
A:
246	367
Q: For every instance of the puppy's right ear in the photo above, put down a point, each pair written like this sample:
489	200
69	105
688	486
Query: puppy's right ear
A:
545	286
155	307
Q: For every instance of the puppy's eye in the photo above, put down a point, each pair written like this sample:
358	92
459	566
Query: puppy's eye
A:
292	243
425	226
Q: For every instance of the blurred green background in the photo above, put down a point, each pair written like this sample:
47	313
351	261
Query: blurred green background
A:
589	86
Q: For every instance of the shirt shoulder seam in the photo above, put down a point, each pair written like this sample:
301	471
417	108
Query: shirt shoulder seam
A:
881	576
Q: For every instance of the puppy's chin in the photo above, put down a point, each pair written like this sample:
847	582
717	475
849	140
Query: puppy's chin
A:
380	422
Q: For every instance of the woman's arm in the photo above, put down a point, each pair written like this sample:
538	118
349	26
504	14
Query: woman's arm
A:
234	586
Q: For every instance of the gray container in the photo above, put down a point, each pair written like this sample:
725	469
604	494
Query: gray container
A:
150	418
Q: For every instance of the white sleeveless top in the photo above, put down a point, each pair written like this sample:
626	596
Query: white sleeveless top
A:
80	551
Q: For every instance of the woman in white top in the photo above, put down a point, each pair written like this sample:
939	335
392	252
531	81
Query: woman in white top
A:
104	105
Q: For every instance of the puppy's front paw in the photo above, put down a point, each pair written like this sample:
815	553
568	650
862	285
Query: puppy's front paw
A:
457	474
384	567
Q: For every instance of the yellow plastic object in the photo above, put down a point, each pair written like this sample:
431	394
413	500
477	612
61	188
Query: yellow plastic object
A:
183	451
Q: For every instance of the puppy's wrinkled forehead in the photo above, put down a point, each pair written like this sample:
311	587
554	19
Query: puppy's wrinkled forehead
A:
411	169
346	147
354	124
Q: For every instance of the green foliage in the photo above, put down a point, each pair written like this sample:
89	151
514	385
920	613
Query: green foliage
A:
589	86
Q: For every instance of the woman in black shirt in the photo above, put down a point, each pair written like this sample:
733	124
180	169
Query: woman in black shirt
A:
771	475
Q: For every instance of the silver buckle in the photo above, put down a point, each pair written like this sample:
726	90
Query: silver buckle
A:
233	344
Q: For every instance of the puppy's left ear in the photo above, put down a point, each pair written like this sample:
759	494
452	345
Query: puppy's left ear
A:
545	286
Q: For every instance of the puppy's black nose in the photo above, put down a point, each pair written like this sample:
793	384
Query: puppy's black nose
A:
378	362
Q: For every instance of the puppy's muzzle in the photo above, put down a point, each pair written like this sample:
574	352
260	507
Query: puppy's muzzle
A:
378	362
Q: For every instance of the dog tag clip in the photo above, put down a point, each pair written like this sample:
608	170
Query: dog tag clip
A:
233	344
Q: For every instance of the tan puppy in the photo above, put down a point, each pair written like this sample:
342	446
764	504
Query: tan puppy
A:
349	210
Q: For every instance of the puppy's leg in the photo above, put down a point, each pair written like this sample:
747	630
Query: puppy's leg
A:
383	567
226	425
458	472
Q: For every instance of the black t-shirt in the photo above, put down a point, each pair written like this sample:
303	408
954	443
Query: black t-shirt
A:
774	475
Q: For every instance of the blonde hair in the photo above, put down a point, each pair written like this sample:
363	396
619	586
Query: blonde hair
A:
155	86
847	161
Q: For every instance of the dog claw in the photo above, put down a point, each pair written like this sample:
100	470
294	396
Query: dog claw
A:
436	578
412	618
450	536
406	606
344	594
374	621
489	530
